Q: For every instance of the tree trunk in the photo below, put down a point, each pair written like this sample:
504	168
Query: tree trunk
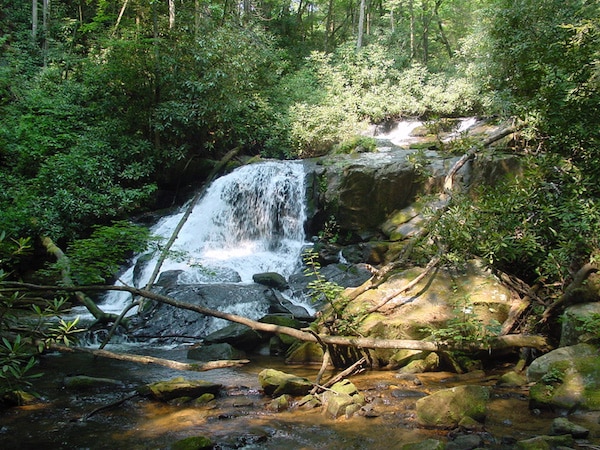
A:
34	19
91	306
195	367
361	24
171	14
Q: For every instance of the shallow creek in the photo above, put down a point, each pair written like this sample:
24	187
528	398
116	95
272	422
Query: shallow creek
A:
239	417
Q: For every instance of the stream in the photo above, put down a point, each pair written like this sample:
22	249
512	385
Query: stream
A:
239	418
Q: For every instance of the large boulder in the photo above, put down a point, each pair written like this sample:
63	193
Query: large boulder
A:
448	407
577	326
568	383
439	301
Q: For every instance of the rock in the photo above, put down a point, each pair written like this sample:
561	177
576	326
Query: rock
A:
193	443
428	364
428	444
346	275
305	352
446	408
569	384
237	335
545	442
540	366
280	403
344	387
309	401
80	382
336	404
18	398
512	379
271	279
275	382
573	319
465	442
179	387
215	352
561	426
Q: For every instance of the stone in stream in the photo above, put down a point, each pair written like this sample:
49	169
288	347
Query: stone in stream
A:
447	407
275	383
179	387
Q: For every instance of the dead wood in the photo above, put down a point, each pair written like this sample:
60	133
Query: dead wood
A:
568	295
141	359
501	342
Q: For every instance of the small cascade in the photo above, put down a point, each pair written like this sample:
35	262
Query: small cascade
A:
249	221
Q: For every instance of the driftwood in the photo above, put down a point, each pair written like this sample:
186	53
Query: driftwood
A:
501	342
141	359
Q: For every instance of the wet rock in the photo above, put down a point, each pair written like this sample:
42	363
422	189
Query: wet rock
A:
237	335
428	444
446	408
18	398
561	426
274	382
465	442
280	403
545	442
430	363
512	379
179	387
344	387
271	279
309	401
336	404
215	352
193	443
346	275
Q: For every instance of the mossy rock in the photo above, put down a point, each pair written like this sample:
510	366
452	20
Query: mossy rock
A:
179	387
428	444
305	352
83	382
446	408
275	383
546	442
193	443
18	398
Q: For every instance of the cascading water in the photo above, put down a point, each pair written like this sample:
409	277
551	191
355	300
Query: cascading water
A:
249	221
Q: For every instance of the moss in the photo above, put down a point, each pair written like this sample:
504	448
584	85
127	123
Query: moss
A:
193	443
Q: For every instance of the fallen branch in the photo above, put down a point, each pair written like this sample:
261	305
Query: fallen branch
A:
501	342
140	359
109	406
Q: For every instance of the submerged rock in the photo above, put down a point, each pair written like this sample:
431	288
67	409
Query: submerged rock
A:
80	382
561	426
193	443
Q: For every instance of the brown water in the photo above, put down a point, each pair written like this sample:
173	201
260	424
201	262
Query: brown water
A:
239	418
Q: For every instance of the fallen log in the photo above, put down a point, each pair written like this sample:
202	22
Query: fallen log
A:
500	342
141	359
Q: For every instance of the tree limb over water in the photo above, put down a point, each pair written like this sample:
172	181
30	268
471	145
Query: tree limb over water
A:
498	343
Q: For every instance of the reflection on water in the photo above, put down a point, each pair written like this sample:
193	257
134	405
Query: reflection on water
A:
239	418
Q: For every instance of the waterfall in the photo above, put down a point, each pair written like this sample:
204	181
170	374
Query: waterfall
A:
247	222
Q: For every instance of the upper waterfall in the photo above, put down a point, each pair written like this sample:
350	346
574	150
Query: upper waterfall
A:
248	221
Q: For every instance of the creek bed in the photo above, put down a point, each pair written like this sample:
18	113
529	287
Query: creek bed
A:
239	418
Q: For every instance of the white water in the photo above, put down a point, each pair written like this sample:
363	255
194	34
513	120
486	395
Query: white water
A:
249	221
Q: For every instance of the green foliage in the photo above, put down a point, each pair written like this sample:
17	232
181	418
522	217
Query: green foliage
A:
98	258
536	225
465	328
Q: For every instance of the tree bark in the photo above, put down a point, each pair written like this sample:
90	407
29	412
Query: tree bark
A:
140	359
361	24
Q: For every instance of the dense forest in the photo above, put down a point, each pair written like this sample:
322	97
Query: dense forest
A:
105	104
